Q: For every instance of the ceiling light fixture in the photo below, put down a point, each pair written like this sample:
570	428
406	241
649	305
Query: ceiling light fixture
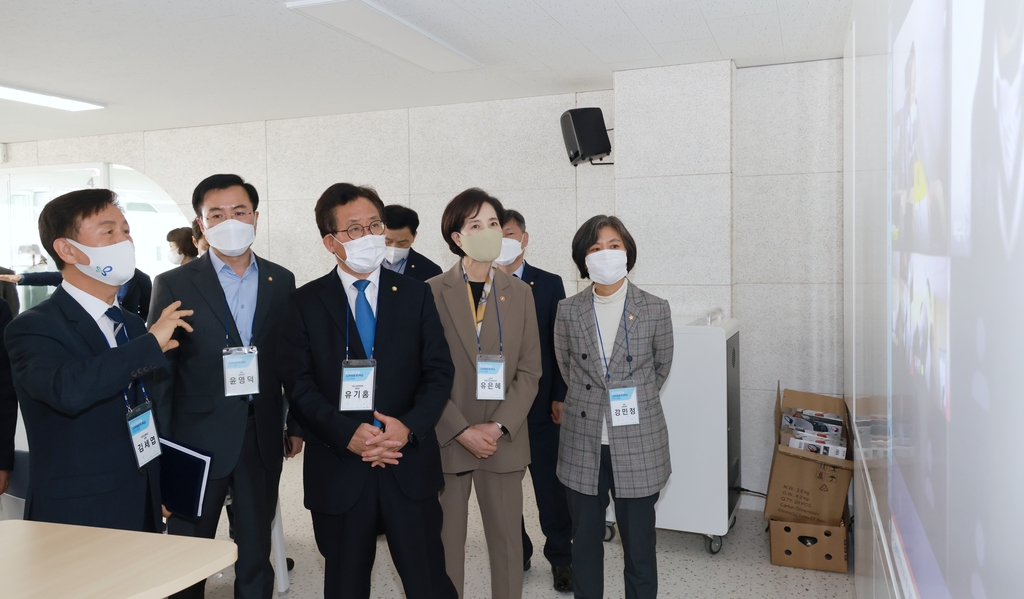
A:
20	95
378	27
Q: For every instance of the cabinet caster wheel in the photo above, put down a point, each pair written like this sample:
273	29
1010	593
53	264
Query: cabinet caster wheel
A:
609	531
712	544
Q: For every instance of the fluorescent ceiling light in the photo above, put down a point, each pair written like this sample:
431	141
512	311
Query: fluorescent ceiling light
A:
19	95
380	28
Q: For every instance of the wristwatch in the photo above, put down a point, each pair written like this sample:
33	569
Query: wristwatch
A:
504	431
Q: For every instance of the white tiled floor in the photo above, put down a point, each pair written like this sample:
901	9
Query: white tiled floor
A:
685	570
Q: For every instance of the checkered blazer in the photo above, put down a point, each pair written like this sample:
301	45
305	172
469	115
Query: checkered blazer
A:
640	456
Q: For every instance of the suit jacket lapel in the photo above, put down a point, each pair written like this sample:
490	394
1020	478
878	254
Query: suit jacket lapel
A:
588	322
635	310
456	301
490	336
84	324
264	293
207	283
388	300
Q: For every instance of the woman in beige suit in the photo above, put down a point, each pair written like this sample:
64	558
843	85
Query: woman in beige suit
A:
490	323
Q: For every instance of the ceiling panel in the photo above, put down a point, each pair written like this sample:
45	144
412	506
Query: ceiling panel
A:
158	65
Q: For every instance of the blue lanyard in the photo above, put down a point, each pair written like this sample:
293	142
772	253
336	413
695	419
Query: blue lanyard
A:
629	357
124	391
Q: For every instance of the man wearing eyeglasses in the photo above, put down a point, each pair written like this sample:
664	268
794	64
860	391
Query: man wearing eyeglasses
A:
221	393
368	371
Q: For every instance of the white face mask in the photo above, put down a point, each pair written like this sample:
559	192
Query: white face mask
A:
365	254
394	255
606	267
112	265
231	237
511	249
175	257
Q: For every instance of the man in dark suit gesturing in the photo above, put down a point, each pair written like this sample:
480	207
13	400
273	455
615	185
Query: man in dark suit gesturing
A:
400	225
237	298
545	414
372	455
79	362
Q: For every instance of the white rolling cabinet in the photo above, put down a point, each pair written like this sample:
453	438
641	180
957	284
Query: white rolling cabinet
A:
701	401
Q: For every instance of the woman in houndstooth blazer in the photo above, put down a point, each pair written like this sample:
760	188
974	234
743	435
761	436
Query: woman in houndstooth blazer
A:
613	342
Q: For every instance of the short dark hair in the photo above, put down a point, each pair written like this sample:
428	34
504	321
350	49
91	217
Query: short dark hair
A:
63	216
463	207
182	237
397	216
516	217
340	194
197	231
214	182
587	236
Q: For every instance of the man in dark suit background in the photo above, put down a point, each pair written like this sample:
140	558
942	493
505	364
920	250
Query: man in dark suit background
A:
8	405
77	359
545	414
9	292
363	467
401	224
237	299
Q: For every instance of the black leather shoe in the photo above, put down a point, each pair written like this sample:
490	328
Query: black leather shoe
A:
527	563
563	578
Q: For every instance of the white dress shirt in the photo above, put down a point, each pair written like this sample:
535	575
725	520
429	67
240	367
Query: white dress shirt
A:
349	283
96	308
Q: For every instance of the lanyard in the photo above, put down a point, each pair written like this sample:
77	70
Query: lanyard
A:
352	312
124	391
227	319
478	314
629	357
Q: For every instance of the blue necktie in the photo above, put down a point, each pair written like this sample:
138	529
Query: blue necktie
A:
120	332
366	323
121	336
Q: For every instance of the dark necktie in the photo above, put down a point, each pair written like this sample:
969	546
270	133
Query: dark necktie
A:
121	336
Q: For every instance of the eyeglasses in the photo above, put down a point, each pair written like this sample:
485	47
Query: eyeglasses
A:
220	217
357	231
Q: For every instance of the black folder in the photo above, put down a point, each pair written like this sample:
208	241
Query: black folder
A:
183	474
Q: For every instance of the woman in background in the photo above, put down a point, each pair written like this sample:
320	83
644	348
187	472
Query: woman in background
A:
182	250
613	343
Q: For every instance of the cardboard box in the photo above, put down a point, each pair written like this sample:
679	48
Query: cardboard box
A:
806	487
812	546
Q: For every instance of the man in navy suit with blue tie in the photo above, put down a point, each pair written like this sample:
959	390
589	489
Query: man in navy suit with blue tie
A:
367	370
545	415
80	363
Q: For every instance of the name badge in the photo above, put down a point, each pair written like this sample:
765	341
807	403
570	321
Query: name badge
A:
490	377
241	371
145	440
357	385
624	408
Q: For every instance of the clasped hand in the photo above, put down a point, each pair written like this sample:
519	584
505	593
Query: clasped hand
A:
481	440
380	447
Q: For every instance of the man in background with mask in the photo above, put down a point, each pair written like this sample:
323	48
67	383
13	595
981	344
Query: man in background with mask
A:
221	392
545	415
400	225
368	371
81	365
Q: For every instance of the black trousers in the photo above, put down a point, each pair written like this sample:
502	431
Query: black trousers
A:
635	518
555	522
254	502
348	542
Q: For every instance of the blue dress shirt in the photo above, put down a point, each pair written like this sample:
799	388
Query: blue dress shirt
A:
240	292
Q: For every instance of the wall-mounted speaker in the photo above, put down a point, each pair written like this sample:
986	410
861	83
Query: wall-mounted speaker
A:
585	135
